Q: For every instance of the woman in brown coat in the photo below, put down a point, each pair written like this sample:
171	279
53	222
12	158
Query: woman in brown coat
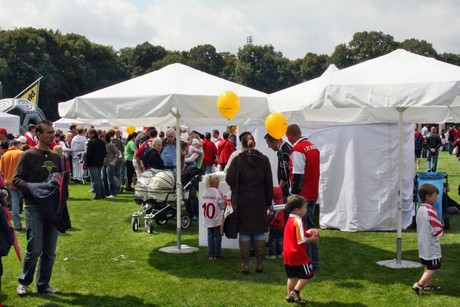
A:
250	179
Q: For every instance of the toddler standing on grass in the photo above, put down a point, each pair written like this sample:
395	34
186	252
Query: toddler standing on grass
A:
276	225
212	205
297	264
429	230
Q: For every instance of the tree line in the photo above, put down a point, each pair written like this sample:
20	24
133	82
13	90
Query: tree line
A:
71	65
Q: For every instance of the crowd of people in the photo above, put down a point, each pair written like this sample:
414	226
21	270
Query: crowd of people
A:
112	163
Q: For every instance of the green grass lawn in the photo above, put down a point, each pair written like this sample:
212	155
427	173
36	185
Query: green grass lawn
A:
102	262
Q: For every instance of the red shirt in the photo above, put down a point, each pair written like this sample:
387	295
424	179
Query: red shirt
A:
305	160
457	134
210	152
224	150
276	219
139	152
295	242
419	135
30	140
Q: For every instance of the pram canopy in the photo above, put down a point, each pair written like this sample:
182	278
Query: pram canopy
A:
160	185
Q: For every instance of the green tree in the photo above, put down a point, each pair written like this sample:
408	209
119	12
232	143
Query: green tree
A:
421	47
206	59
342	57
450	58
70	65
313	65
262	68
369	45
229	69
145	55
170	58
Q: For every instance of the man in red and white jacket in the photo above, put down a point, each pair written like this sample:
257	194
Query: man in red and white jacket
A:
30	135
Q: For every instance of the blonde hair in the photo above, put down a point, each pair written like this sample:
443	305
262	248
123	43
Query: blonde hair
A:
58	149
155	141
211	180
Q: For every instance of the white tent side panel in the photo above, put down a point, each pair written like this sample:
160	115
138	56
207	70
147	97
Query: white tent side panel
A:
359	176
10	122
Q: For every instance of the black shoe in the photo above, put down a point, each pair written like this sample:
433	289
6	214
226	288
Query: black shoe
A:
48	290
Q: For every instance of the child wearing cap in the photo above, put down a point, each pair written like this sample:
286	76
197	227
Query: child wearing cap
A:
276	225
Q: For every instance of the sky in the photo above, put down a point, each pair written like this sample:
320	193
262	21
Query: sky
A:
293	27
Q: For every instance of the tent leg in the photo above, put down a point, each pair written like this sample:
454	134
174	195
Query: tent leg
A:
398	263
179	249
178	183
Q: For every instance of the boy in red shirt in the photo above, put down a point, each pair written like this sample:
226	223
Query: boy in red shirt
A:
297	264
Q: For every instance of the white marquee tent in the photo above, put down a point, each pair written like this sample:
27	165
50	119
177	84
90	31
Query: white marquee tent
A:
397	87
10	122
148	100
382	90
359	159
174	95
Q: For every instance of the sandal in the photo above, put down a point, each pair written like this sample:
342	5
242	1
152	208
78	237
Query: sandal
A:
431	287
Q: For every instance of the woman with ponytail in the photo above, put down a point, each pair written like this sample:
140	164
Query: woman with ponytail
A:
250	179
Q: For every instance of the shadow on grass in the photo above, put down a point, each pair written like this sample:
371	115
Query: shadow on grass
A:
334	303
69	231
170	227
77	299
340	258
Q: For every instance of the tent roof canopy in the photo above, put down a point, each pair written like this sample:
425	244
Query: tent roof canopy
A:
398	79
370	91
150	98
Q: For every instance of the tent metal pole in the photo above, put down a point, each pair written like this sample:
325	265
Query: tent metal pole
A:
178	182
400	186
398	263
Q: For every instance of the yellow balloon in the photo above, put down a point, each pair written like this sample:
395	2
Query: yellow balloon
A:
276	125
228	104
130	129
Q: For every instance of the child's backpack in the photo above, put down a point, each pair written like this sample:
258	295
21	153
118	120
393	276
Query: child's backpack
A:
146	156
418	142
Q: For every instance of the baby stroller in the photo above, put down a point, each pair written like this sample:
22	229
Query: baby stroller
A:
155	192
440	180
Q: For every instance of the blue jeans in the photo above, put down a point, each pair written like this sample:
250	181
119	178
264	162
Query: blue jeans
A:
208	169
214	242
41	243
120	171
312	248
275	242
112	180
431	161
96	181
256	237
192	202
16	198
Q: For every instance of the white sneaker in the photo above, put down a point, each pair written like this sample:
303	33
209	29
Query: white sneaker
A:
111	196
21	290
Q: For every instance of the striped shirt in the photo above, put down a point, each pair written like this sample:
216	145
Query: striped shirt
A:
295	242
429	230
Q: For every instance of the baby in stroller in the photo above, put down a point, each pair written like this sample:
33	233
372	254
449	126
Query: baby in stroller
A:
155	192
